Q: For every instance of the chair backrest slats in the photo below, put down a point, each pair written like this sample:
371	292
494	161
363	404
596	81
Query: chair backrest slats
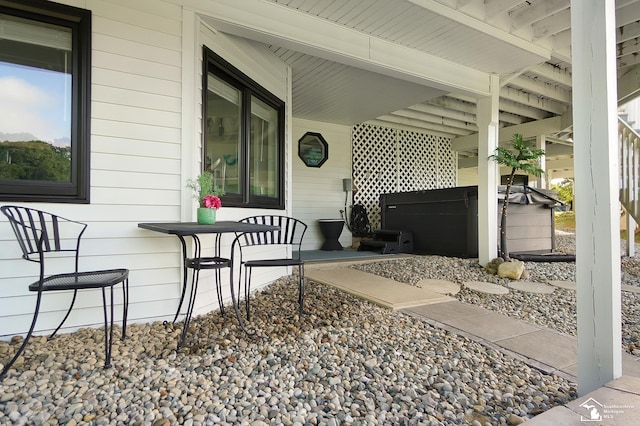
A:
291	231
39	232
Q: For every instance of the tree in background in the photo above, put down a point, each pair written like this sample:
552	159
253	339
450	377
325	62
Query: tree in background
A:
564	190
522	157
35	160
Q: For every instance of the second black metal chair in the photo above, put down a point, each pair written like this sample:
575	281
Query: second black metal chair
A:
40	233
288	237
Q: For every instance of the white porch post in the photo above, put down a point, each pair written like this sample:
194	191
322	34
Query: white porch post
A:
631	235
487	117
541	143
597	220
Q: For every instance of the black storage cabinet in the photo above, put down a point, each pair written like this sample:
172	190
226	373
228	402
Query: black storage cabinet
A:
443	221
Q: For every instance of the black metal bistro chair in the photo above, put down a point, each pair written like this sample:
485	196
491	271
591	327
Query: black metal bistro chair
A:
40	234
290	235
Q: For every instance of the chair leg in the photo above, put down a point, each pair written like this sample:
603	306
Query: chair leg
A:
26	338
108	329
73	300
301	288
247	292
125	307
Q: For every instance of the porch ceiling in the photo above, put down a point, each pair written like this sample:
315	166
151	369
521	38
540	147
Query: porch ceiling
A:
340	78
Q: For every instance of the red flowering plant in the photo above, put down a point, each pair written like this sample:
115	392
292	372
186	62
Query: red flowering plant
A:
211	202
205	192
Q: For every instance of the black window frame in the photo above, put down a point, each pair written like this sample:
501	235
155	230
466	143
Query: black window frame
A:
214	63
79	21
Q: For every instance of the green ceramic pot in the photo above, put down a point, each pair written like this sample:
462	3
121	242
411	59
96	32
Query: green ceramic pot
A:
206	216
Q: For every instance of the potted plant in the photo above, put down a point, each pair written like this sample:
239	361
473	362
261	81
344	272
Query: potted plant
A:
208	197
522	157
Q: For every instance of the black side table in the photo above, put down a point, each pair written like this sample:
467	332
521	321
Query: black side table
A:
331	230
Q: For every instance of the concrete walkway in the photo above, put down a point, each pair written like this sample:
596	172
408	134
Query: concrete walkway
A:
618	402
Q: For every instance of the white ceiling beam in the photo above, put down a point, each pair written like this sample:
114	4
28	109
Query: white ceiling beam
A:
527	130
552	73
628	32
532	101
422	124
517	108
555	150
438	120
627	48
552	25
551	164
534	12
563	163
452	108
428	108
409	128
542	89
561	40
629	85
496	7
272	23
478	25
627	14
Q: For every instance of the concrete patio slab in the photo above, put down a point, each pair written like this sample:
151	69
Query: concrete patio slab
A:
616	403
484	287
492	326
630	288
379	290
445	312
630	367
551	348
567	285
531	287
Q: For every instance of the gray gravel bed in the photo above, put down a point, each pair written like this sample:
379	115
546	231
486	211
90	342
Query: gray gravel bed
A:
345	362
556	310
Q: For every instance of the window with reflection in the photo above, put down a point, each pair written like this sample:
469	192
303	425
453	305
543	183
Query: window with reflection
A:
44	102
243	136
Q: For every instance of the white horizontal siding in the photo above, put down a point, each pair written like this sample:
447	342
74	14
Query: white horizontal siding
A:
135	171
317	192
138	168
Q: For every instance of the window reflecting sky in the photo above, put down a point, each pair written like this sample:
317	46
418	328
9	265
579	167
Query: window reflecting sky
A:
35	101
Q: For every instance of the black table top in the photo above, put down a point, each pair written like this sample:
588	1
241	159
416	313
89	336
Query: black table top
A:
192	228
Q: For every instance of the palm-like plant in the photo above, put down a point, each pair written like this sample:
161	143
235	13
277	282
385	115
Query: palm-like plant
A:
522	157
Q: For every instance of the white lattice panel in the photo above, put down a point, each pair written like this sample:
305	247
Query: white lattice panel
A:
374	167
418	161
446	164
388	160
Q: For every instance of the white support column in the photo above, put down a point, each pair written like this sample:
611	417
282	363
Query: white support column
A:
549	178
487	117
190	153
597	209
541	143
631	235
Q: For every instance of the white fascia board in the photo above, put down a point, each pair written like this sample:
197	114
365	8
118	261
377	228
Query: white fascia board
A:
476	24
271	23
527	130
